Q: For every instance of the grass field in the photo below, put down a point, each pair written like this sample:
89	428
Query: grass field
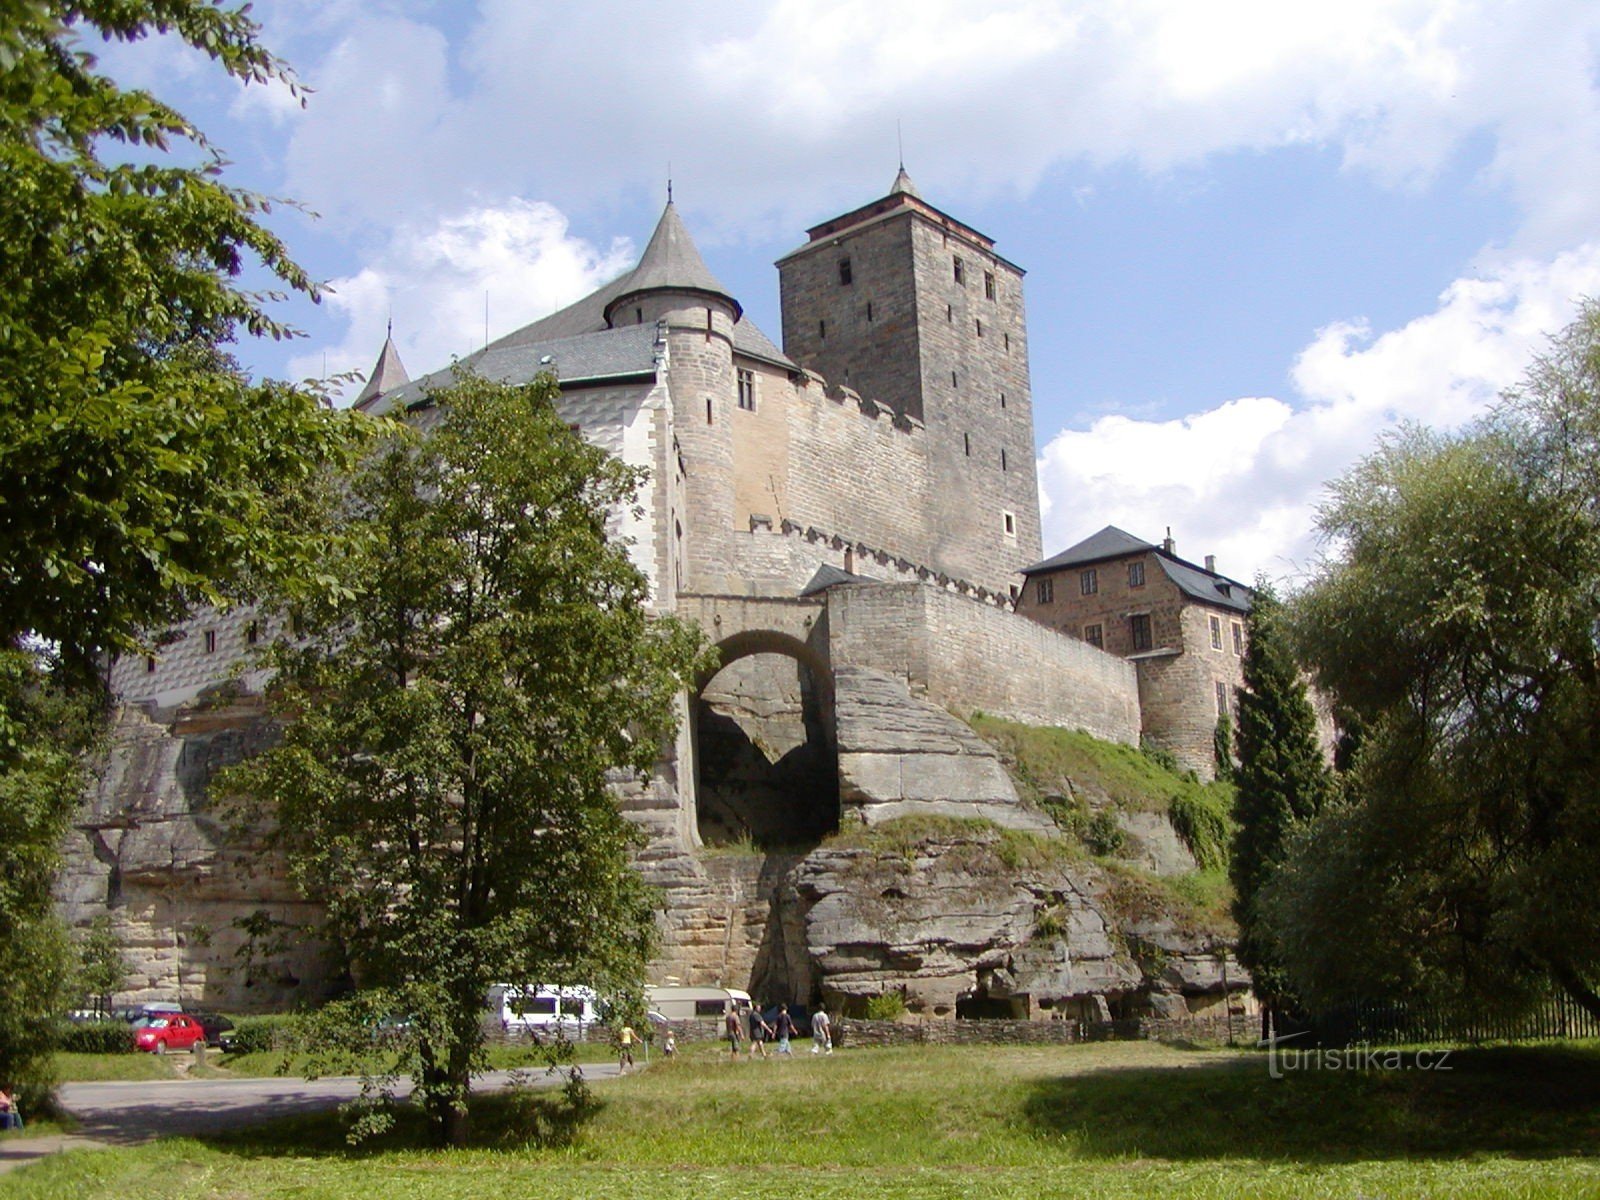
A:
1123	1119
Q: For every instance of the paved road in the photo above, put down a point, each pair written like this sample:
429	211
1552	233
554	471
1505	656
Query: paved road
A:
110	1114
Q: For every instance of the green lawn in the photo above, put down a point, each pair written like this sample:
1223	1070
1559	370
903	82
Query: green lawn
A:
975	1123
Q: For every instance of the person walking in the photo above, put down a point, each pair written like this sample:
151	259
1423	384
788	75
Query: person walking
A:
785	1029
821	1032
760	1031
625	1041
734	1029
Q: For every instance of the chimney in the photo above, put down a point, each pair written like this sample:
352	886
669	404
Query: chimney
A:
1211	563
1169	546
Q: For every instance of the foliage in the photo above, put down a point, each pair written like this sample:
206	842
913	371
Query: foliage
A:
96	1037
1458	621
1222	747
139	471
1196	902
444	786
253	1035
102	966
886	1006
1054	768
1281	780
42	727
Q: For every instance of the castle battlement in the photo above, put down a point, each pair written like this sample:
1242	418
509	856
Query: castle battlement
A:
812	384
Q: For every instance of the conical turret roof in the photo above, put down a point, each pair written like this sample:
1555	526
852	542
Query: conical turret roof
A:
672	263
903	185
388	374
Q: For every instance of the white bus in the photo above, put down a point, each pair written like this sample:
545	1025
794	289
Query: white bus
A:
545	1006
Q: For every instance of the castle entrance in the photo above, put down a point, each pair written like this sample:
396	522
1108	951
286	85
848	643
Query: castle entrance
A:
766	766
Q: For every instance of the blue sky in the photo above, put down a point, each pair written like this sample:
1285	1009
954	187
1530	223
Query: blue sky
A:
1257	234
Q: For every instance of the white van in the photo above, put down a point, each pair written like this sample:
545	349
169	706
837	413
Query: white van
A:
689	1003
546	1006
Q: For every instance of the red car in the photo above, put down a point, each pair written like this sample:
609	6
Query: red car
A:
172	1032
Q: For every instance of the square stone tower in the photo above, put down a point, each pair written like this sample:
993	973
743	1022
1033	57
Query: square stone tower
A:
915	311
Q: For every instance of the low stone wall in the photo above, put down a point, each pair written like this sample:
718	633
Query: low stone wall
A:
856	1032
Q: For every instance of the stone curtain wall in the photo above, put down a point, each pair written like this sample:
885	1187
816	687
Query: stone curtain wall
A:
968	655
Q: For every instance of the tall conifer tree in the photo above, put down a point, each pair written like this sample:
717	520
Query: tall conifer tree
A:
1281	779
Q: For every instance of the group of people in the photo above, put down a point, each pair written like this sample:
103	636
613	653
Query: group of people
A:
10	1114
781	1028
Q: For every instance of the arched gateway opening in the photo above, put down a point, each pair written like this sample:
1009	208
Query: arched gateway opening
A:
766	763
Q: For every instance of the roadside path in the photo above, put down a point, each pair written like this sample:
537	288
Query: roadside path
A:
123	1114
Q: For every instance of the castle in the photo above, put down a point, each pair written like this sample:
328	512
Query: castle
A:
853	519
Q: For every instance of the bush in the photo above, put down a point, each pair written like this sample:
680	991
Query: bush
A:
1103	835
251	1035
888	1006
97	1037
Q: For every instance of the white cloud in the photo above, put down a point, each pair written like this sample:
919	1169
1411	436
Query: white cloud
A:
434	280
1242	480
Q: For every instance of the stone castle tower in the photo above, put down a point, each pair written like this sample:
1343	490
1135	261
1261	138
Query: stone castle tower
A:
914	310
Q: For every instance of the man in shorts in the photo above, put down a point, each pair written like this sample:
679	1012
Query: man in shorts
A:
760	1031
733	1028
625	1042
821	1033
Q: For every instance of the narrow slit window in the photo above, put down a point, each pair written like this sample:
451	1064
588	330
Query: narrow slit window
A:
708	411
1003	458
211	641
966	441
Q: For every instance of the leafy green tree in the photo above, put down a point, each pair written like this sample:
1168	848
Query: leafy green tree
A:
1458	621
41	724
139	471
445	783
1281	780
102	966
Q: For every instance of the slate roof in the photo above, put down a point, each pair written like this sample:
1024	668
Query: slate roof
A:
628	352
1110	542
672	262
388	374
828	576
1194	582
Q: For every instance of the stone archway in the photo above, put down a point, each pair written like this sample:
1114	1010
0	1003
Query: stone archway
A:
766	759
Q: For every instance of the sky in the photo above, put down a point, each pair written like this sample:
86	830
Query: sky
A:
1257	233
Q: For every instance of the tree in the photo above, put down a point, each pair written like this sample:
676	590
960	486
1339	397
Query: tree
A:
139	471
1458	621
102	967
445	783
1281	780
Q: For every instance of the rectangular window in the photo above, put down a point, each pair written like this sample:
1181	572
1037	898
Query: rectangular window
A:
149	666
822	330
1002	399
1095	635
980	328
961	273
988	285
1047	590
252	633
1136	574
1139	631
211	641
1089	582
747	390
708	411
1238	639
1002	458
1222	699
1216	633
869	311
1008	522
845	277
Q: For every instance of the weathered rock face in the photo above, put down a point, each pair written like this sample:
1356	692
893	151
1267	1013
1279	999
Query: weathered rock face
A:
962	927
900	755
204	910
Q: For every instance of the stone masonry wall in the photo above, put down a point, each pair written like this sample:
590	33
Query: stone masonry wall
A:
1178	690
968	655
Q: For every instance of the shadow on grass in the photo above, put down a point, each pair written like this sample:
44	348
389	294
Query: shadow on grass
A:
1530	1102
515	1119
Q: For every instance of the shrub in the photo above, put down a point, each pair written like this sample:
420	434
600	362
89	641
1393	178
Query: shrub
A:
97	1037
252	1035
887	1006
1103	835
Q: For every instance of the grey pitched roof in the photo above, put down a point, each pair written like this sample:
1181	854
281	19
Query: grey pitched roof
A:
903	184
1205	586
589	314
607	354
388	374
828	576
1110	542
672	262
1194	582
